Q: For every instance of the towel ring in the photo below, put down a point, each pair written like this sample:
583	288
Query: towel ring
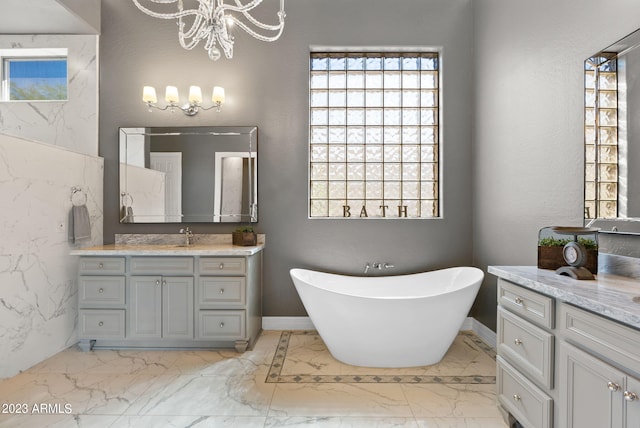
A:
78	197
124	196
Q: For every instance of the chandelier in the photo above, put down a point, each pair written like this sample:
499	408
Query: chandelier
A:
212	22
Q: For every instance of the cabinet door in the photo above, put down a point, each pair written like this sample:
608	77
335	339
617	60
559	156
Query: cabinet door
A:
177	307
632	403
145	306
591	391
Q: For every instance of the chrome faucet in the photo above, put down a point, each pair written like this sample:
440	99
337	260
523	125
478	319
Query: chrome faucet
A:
187	236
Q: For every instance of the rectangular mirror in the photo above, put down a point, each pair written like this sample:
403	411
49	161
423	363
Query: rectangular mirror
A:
612	137
189	174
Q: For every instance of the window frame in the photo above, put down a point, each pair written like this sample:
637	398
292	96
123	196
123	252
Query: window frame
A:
30	53
356	213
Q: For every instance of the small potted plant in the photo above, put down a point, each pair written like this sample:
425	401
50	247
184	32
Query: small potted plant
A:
244	236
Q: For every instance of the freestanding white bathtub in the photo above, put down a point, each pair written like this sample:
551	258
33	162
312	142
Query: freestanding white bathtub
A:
392	321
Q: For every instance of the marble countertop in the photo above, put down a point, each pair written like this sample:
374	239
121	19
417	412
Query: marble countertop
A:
609	295
221	249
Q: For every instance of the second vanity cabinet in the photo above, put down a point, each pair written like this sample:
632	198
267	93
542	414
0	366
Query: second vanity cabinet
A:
197	301
559	365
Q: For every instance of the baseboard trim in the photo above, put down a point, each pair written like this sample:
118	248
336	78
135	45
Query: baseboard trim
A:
304	323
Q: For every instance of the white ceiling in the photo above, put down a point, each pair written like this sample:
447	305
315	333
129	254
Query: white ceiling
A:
49	17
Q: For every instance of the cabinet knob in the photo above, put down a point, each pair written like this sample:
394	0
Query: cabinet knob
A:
613	386
221	325
101	290
100	265
516	397
630	396
164	282
221	266
517	342
518	300
222	291
157	282
100	323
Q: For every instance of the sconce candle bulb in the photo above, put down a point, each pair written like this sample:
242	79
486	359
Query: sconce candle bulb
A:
172	99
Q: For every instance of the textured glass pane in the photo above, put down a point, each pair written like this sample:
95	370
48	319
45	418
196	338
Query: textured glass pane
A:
337	134
337	98
589	209
410	79
609	99
413	208
410	116
410	171
374	116
355	190
608	117
410	63
590	191
410	153
392	98
609	136
319	134
428	172
337	153
428	135
428	190
429	63
410	190
319	208
608	154
374	80
428	153
319	116
410	98
429	209
355	63
355	153
590	153
355	80
392	190
337	171
337	116
319	80
374	135
337	190
428	116
392	171
392	135
589	98
590	134
589	79
319	171
428	80
337	80
392	63
374	98
392	79
319	99
392	116
337	63
319	63
590	172
374	63
608	172
608	81
608	209
336	208
609	191
355	171
429	98
355	116
410	135
355	98
319	189
373	208
355	135
374	171
374	153
374	190
589	116
319	153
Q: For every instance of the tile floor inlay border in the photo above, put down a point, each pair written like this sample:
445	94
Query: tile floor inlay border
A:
275	370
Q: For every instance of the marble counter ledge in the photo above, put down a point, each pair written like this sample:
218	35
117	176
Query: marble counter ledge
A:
167	250
608	295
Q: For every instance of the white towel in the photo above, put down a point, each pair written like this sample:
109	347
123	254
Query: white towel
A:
79	223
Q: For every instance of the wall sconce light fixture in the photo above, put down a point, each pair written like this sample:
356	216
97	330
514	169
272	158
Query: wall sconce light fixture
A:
172	99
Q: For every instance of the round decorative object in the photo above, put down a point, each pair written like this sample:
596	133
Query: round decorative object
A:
575	254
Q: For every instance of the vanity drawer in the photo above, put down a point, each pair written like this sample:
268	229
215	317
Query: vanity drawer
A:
101	323
533	306
221	291
525	401
222	266
619	343
103	290
161	265
221	325
528	347
101	265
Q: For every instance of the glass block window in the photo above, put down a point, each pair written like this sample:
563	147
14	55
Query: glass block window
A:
34	74
601	138
374	138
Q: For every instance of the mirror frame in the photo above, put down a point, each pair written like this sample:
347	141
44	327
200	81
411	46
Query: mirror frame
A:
251	174
618	225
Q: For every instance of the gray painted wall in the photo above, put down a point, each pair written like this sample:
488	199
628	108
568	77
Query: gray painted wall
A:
267	85
528	135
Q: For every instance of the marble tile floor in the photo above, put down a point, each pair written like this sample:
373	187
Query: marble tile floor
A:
203	388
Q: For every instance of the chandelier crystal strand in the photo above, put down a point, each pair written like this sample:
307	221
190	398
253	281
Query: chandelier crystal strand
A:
211	21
